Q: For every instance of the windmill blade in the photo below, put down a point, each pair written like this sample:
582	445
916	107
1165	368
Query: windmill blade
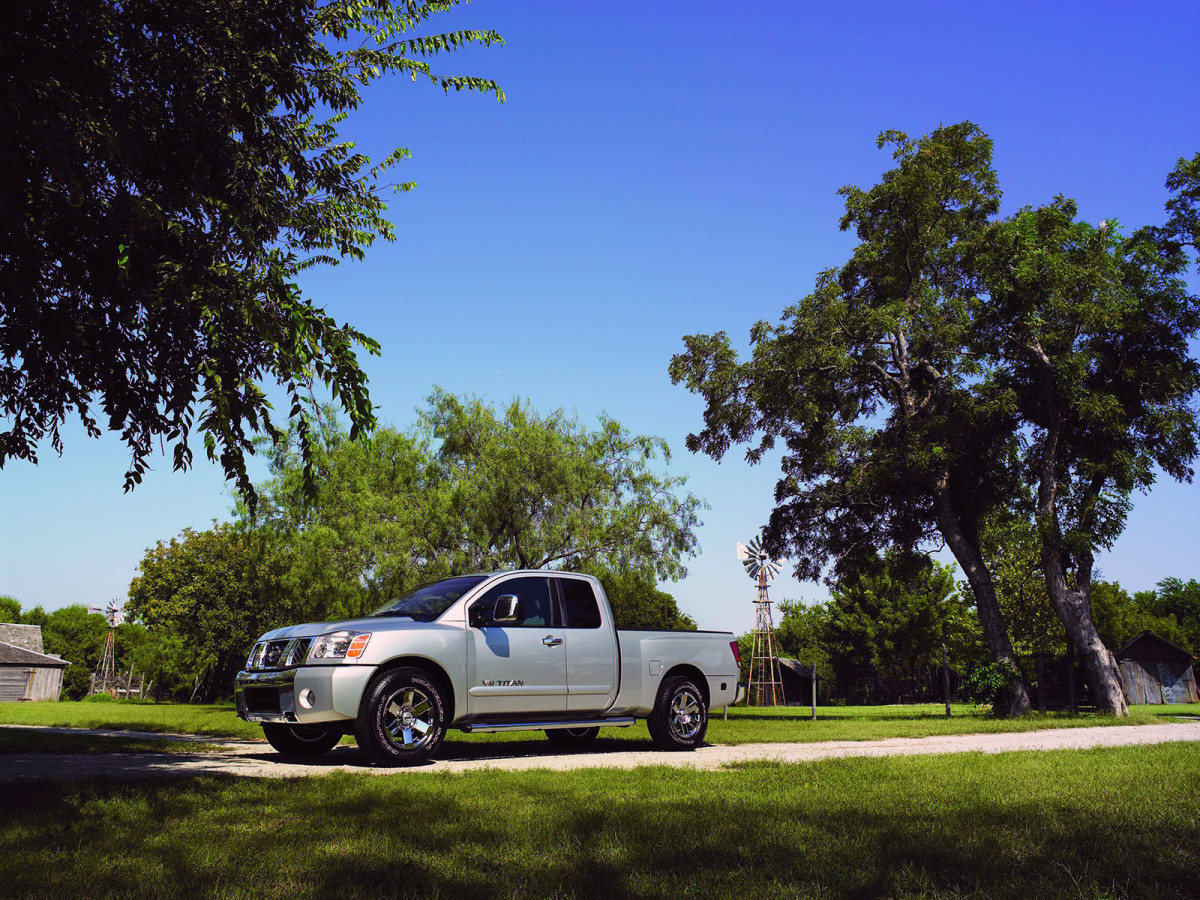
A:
754	559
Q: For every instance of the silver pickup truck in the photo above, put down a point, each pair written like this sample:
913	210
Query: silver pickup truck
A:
514	651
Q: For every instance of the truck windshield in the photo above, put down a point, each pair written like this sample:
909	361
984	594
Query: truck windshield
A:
429	601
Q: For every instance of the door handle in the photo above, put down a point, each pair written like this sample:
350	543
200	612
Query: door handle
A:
551	641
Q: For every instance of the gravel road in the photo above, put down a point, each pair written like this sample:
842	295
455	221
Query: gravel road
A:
257	760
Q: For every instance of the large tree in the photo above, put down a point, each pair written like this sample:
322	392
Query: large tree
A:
470	488
537	491
1012	548
1177	603
891	618
218	591
1090	332
375	524
1120	617
956	357
893	436
170	168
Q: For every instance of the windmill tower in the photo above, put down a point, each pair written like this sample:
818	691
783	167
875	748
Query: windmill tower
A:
105	679
766	684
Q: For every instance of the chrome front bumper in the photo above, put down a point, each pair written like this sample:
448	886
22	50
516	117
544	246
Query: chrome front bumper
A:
301	695
266	696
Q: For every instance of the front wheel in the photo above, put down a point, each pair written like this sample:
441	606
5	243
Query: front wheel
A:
301	740
402	719
679	719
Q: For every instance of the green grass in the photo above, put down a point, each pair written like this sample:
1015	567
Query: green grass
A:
14	740
745	725
868	723
1172	711
1119	822
216	720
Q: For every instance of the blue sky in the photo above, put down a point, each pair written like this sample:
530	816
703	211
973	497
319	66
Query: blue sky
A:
661	169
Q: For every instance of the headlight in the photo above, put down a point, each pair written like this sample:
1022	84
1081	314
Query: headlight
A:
340	645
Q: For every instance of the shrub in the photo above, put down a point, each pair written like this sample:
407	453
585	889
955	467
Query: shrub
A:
987	682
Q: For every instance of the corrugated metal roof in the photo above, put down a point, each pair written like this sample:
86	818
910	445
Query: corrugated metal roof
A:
1129	650
797	668
11	655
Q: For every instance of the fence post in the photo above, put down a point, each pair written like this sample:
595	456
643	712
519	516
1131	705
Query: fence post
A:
1072	697
814	692
945	681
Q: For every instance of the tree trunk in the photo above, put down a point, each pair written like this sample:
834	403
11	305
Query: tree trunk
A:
1015	701
1073	604
1074	610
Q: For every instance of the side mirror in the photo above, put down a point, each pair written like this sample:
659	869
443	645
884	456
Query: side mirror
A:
508	608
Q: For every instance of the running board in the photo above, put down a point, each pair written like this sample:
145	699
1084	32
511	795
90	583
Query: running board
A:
487	727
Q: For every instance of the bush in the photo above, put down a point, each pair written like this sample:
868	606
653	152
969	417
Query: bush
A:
987	682
77	681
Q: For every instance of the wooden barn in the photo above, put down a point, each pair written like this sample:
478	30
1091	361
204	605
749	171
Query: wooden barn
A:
27	673
1153	670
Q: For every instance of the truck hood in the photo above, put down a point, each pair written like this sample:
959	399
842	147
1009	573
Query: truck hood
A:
315	629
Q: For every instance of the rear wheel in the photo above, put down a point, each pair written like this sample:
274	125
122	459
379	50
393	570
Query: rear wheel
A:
301	740
679	719
572	738
402	719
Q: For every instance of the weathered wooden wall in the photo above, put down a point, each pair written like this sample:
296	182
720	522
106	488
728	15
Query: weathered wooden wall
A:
1158	681
47	684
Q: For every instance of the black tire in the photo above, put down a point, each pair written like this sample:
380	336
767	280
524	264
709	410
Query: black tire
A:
572	738
679	719
402	719
301	740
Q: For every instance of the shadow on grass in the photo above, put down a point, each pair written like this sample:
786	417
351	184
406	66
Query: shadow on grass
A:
982	826
464	751
842	717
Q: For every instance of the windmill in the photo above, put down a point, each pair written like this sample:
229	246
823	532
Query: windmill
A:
104	679
107	679
766	684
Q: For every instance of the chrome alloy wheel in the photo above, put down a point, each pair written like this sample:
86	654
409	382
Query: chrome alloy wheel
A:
685	715
408	718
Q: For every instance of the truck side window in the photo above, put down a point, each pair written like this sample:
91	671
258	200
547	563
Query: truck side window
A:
537	610
579	604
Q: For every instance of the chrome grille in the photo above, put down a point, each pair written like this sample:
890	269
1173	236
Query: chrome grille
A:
278	654
273	654
299	652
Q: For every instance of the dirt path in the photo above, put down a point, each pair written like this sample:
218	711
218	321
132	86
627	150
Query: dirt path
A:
257	760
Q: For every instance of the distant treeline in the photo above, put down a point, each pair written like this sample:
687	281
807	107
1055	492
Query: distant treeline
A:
879	638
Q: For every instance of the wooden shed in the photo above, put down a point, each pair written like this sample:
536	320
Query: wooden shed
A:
797	681
26	673
1153	670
